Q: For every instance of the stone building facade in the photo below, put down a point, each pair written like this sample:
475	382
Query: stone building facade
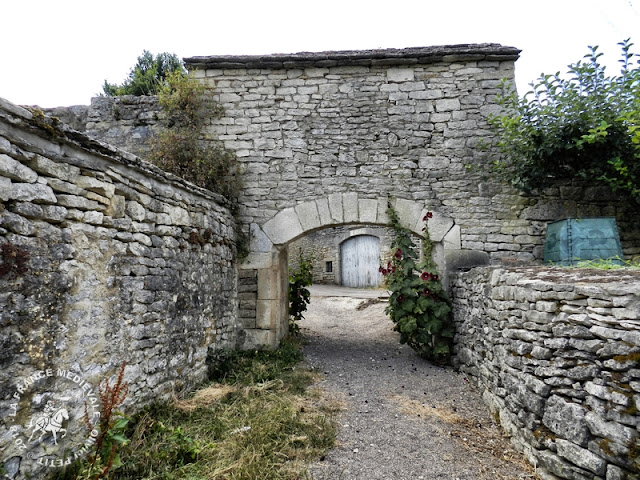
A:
325	247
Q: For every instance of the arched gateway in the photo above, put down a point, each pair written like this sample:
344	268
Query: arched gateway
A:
263	275
324	139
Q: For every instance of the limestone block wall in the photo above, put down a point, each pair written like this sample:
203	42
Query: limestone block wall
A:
103	259
556	354
387	123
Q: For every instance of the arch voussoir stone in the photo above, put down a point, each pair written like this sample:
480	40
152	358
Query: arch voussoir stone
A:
284	227
342	208
308	215
368	210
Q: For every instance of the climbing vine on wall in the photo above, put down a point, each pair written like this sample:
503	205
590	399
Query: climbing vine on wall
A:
418	304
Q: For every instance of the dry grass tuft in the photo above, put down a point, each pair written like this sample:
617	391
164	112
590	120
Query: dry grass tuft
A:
205	397
411	407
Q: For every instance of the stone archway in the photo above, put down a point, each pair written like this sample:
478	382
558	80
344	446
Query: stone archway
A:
263	276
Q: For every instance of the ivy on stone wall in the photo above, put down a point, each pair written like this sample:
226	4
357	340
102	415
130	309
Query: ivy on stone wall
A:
418	304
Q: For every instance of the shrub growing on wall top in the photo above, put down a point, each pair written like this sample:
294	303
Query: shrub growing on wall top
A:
587	126
180	148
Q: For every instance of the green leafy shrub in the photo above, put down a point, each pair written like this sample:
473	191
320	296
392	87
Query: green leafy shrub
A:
180	148
299	296
418	304
147	76
584	127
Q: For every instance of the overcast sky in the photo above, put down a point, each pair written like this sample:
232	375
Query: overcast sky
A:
59	52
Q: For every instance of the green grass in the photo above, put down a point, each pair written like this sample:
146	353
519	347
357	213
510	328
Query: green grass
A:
258	420
615	263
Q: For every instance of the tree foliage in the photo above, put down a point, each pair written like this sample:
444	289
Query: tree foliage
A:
181	149
586	126
418	304
147	76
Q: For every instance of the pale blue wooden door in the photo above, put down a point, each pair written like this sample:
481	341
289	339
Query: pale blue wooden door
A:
360	260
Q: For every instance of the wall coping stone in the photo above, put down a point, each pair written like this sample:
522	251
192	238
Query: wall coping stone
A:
366	58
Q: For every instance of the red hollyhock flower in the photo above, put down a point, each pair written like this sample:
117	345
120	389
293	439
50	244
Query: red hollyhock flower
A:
427	216
398	254
401	298
426	292
426	276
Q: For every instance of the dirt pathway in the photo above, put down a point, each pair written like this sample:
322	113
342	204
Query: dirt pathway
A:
404	418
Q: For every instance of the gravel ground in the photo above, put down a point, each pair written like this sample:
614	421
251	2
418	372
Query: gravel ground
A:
403	417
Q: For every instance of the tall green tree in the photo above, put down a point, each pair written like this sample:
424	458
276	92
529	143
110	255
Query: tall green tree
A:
147	76
585	126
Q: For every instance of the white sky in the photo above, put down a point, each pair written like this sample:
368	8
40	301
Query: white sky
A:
59	52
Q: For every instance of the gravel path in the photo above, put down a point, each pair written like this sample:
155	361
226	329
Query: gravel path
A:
404	418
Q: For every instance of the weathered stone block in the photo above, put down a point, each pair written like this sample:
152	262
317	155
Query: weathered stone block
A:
581	457
400	74
350	207
5	189
259	242
284	227
14	170
32	192
80	203
566	419
611	430
94	185
62	171
308	215
368	210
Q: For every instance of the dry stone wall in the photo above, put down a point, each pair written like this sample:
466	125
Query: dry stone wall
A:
556	354
104	259
128	122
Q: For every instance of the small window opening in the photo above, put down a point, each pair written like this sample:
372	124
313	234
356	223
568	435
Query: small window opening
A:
328	267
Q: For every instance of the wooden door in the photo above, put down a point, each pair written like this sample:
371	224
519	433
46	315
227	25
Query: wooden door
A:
360	260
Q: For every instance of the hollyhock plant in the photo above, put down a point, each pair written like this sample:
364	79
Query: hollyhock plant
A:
418	305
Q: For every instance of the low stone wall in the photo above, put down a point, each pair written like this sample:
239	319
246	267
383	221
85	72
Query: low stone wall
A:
556	353
103	259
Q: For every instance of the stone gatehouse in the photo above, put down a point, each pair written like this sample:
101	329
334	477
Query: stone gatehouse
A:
326	139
